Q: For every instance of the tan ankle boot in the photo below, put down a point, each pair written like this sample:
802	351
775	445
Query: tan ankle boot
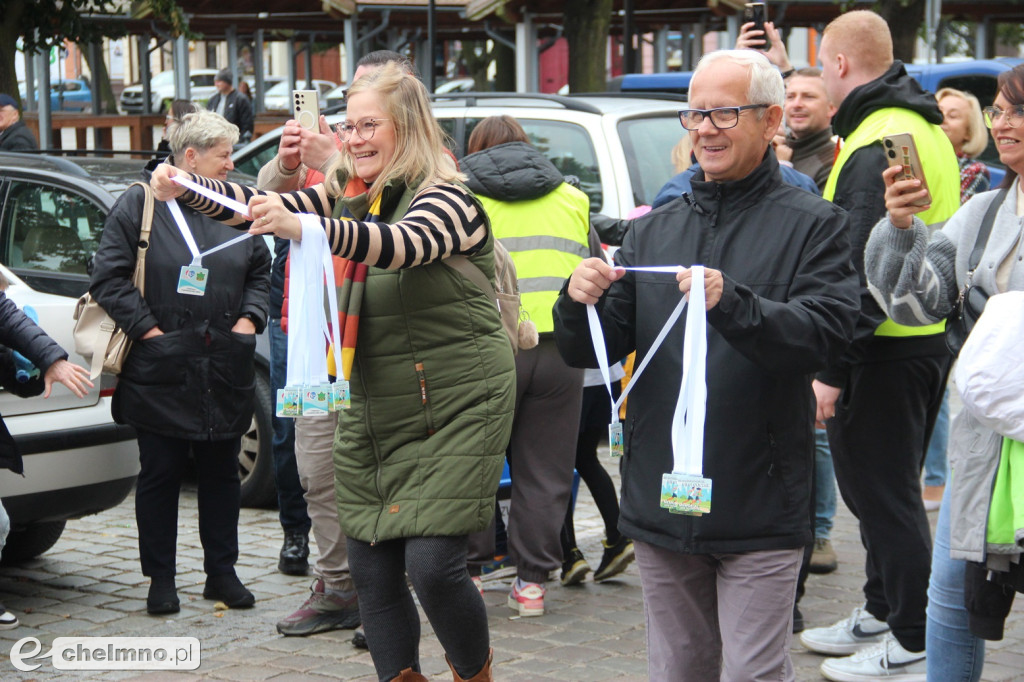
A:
409	675
483	676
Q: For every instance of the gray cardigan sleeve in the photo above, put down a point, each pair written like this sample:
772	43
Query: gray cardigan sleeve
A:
912	275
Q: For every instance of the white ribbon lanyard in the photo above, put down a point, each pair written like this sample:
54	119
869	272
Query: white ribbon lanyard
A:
186	233
308	391
236	206
684	491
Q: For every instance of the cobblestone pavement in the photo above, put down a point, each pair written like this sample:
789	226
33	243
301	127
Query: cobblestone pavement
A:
89	584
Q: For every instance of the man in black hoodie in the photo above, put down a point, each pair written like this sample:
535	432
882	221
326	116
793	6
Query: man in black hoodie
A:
880	400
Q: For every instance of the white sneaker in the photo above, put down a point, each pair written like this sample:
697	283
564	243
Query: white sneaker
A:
887	661
8	621
846	637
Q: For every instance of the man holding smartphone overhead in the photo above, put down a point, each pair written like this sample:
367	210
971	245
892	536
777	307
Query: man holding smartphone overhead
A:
880	401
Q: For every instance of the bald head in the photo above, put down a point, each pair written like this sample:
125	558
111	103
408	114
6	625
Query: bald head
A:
856	48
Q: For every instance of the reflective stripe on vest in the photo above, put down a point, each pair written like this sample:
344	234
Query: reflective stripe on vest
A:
547	238
941	171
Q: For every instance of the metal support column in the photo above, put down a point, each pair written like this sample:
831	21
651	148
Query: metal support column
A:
30	83
981	39
661	50
42	60
144	72
429	74
351	50
182	83
526	55
257	59
231	36
309	63
290	71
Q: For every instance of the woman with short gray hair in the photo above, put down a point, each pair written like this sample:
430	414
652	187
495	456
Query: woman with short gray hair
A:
187	386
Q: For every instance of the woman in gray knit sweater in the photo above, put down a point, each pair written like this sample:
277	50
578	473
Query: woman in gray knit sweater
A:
917	277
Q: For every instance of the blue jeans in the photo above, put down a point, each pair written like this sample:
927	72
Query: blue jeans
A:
935	457
290	501
954	654
824	486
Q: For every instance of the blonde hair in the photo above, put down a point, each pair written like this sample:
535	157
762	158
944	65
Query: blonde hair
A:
420	152
681	154
977	134
864	37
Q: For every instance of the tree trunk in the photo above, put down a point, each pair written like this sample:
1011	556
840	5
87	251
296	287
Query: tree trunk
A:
904	19
586	30
476	65
101	80
504	68
10	23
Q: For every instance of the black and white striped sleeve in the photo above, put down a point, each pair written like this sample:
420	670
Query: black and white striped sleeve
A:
441	221
313	200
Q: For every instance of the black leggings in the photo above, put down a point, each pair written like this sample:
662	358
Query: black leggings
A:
593	427
436	566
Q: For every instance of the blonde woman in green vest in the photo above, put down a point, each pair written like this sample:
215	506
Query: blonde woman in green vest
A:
418	456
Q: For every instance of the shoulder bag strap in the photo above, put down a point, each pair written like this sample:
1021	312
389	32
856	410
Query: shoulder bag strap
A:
985	229
139	278
470	271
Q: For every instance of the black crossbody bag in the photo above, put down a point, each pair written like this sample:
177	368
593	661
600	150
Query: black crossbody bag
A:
971	302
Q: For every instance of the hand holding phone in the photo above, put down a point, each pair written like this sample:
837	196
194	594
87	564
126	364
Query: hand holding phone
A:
901	151
756	12
307	109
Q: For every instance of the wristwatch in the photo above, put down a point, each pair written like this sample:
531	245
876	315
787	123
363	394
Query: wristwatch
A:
252	317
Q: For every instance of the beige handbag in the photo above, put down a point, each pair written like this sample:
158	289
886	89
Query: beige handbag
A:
98	339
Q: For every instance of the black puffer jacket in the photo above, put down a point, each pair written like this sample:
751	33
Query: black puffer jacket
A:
515	171
20	333
196	380
788	309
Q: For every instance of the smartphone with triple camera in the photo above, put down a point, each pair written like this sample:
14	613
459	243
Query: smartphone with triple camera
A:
757	13
901	151
307	109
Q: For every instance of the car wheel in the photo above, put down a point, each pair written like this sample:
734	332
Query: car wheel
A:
255	457
30	542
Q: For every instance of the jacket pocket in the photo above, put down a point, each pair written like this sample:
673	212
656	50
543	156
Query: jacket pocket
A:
157	361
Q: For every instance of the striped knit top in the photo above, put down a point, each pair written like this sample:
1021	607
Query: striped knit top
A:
442	221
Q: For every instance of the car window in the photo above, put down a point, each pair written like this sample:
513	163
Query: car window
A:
647	144
256	161
49	230
568	146
984	87
201	80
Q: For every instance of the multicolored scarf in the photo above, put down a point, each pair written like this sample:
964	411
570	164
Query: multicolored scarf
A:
350	279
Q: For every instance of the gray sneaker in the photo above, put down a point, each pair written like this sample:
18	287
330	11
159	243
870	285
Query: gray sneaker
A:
323	611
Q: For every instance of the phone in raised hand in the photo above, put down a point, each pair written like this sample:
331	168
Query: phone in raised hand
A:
901	151
307	109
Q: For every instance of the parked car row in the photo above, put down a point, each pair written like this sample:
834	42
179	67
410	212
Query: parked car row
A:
73	94
201	88
77	460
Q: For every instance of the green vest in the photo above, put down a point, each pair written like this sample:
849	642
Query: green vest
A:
421	450
547	238
941	171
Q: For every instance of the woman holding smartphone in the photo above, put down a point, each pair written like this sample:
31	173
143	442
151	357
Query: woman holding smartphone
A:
919	276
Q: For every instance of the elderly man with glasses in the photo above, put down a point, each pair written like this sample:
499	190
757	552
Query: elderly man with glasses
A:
781	302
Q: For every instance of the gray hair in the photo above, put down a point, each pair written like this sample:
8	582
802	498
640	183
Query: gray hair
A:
766	86
202	130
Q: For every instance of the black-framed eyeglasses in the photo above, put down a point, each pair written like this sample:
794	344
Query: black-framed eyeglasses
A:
722	118
1014	115
364	129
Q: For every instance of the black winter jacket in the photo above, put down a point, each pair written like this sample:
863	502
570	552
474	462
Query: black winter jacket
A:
861	191
237	110
195	381
20	333
788	309
18	138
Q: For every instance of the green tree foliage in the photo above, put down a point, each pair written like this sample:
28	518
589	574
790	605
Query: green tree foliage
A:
42	24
